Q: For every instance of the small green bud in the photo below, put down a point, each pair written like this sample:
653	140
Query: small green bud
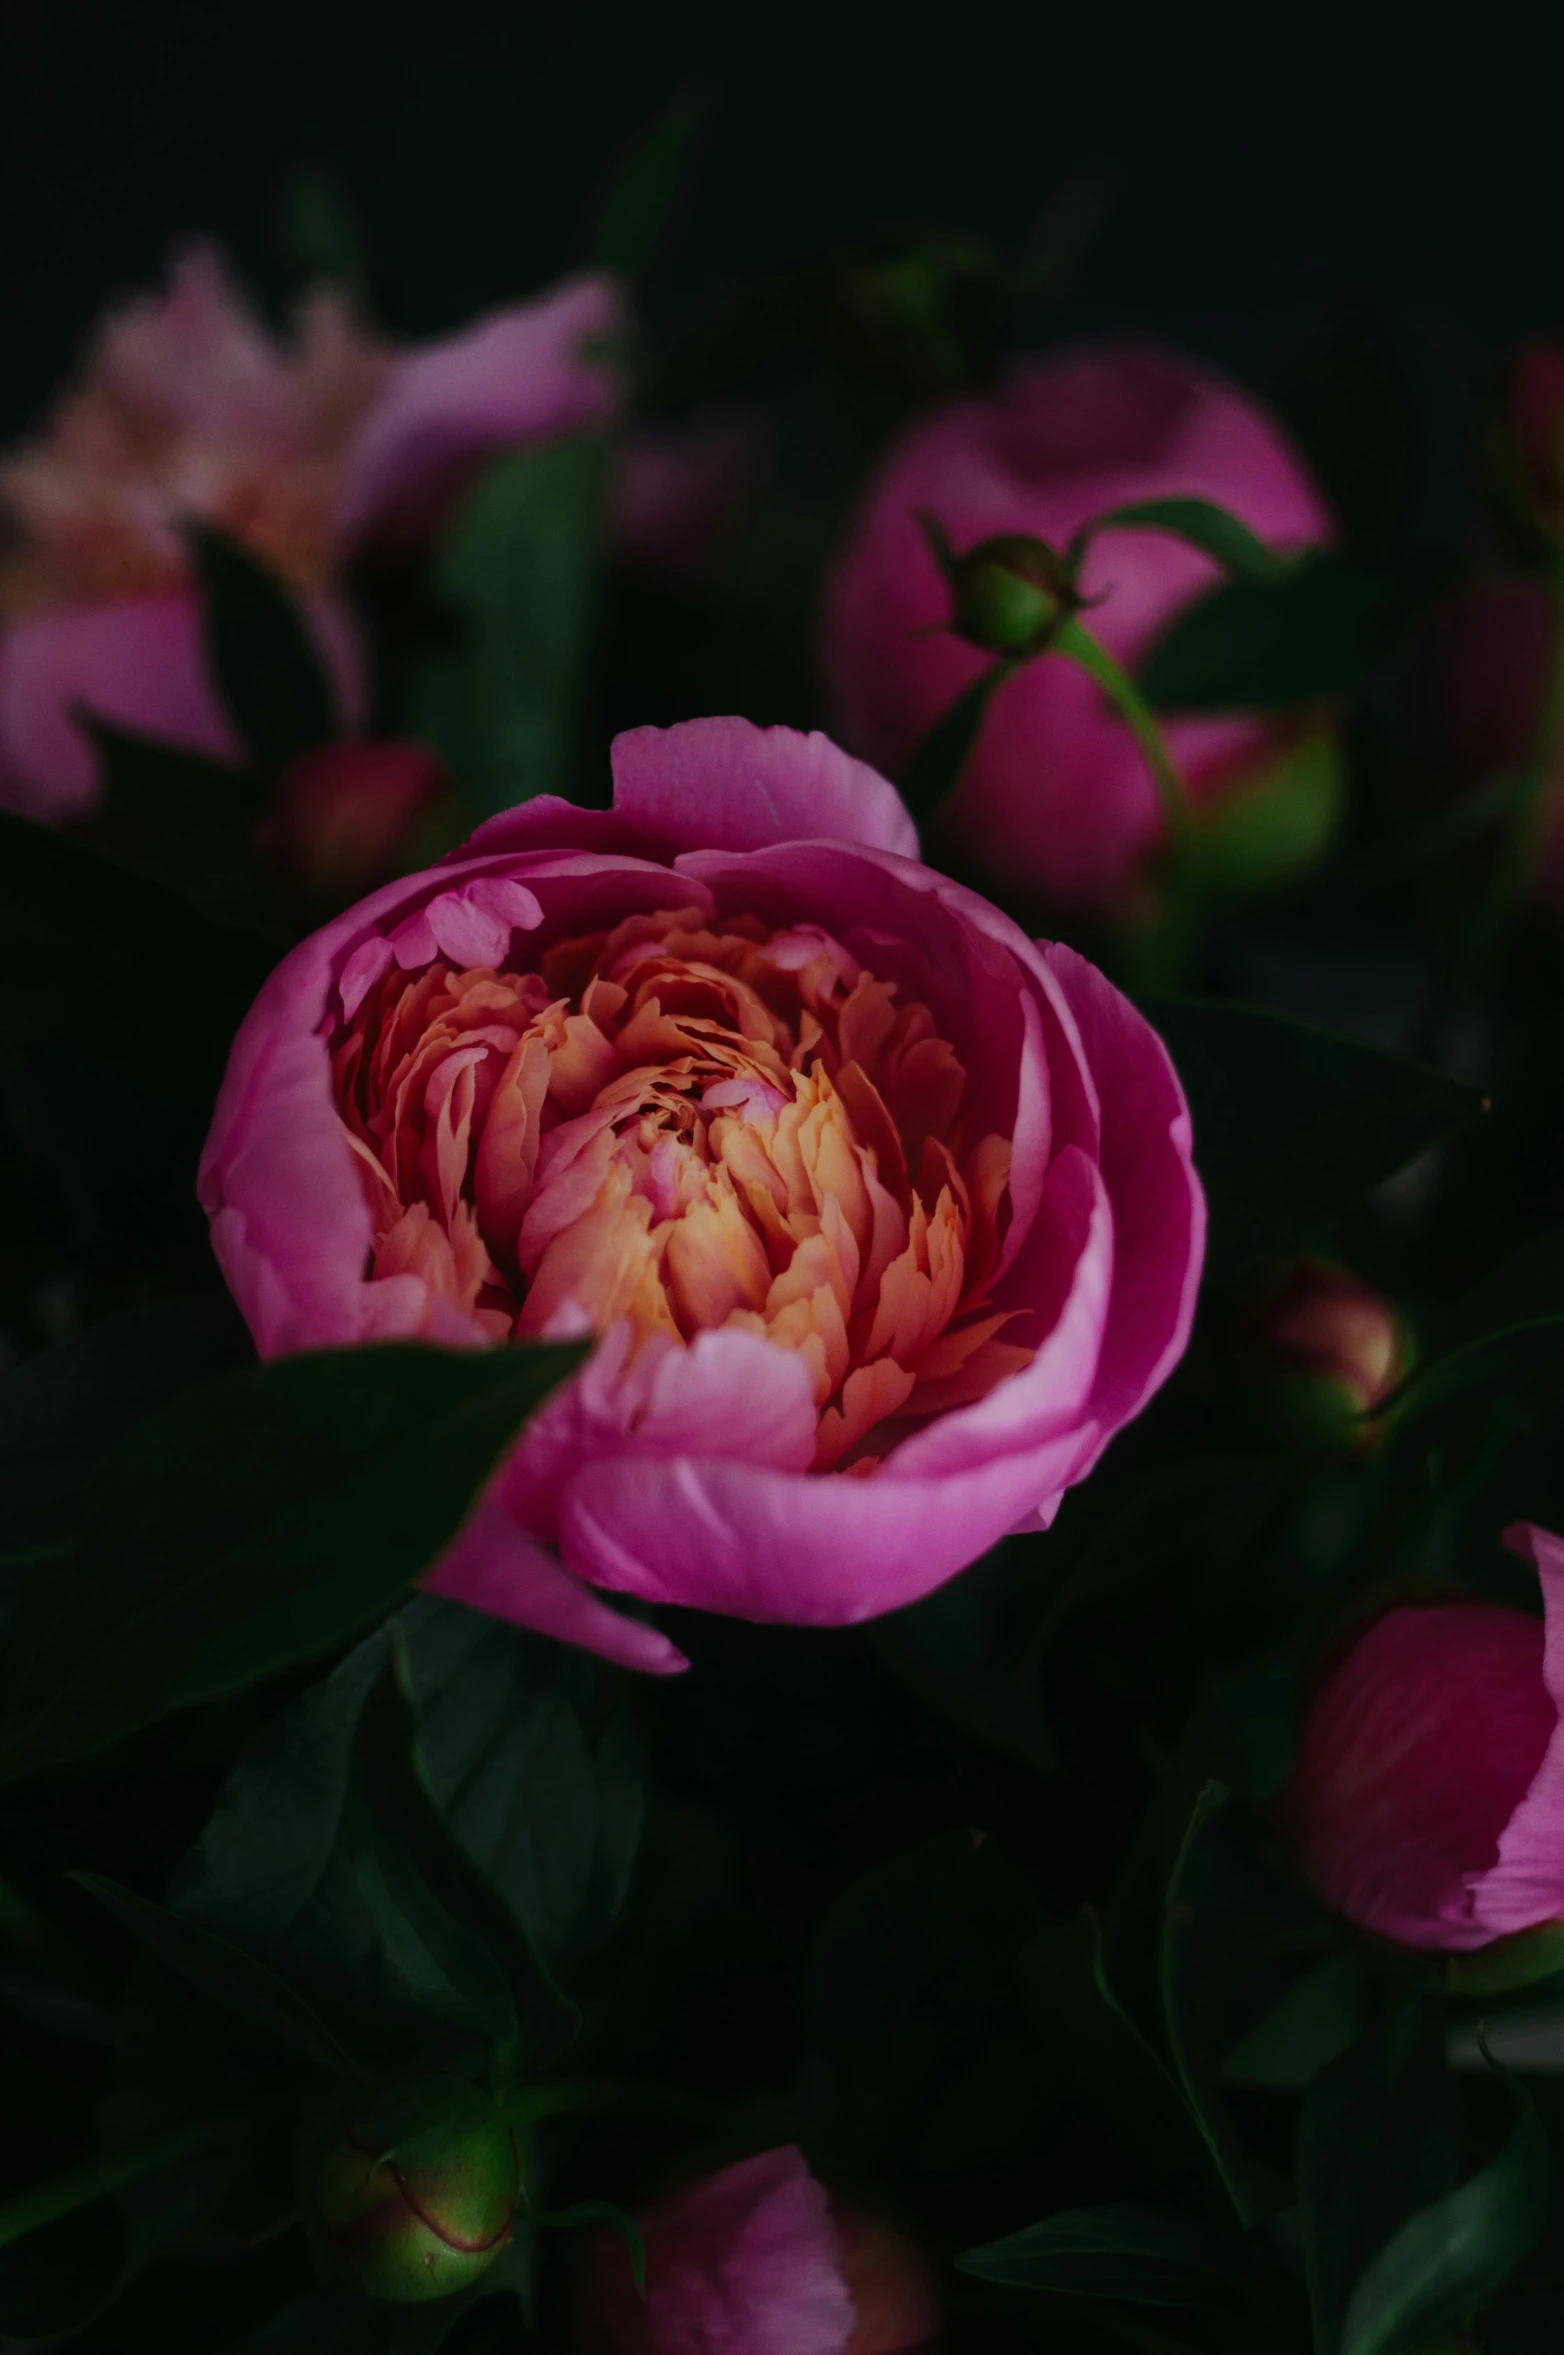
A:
1323	1349
1008	594
412	2188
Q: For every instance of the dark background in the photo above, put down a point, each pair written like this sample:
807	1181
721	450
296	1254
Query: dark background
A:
1273	163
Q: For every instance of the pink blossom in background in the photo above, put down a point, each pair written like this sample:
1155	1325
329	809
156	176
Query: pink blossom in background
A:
1055	798
1427	1799
885	1215
681	491
758	2259
188	408
342	814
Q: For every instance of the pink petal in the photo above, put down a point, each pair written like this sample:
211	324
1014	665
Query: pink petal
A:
724	784
492	1567
1526	1885
520	375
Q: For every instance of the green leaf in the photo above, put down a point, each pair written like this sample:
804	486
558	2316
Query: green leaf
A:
56	2279
260	1520
1274	826
641	202
1206	2108
515	580
1271	641
81	933
225	1974
187	821
1211	529
1294	1126
1379	2143
945	750
261	654
1445	2263
538	1777
450	1902
1142	2256
323	234
966	1651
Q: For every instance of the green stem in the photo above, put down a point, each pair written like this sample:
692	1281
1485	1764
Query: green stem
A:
79	2186
1127	700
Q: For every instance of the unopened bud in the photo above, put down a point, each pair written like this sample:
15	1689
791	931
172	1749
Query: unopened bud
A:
1008	594
412	2189
1327	1349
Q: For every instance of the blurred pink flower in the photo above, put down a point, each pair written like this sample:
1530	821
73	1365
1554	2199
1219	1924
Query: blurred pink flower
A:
1487	678
885	1214
758	2259
1427	1799
188	408
1055	799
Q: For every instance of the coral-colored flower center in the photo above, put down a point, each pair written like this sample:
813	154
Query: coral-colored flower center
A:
691	1129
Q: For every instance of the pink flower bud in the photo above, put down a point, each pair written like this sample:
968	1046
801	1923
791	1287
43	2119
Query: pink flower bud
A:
1426	1802
344	813
1485	692
413	2191
1326	1347
759	2259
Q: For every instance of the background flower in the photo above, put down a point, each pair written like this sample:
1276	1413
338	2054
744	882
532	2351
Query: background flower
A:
1055	797
189	409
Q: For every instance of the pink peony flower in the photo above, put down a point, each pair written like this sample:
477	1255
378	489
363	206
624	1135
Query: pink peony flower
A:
885	1215
1427	1799
758	2260
1055	797
188	408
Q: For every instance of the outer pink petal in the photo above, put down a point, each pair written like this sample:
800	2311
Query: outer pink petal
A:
492	1567
520	375
1526	1886
724	784
1148	1167
745	2262
139	664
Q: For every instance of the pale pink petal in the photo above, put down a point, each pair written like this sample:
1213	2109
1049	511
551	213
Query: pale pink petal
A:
491	1566
521	375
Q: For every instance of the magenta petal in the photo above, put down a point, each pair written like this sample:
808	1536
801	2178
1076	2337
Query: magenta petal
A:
724	784
520	375
1526	1886
491	1566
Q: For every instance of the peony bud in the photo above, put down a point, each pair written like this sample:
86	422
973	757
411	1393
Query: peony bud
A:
1327	1349
344	815
413	2189
1426	1802
759	2259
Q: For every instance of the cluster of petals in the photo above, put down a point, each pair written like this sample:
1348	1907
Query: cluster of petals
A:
1426	1802
758	2259
884	1214
189	409
1055	796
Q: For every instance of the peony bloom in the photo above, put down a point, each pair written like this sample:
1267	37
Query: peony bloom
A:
1488	670
1427	1799
1055	796
188	408
885	1215
758	2260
